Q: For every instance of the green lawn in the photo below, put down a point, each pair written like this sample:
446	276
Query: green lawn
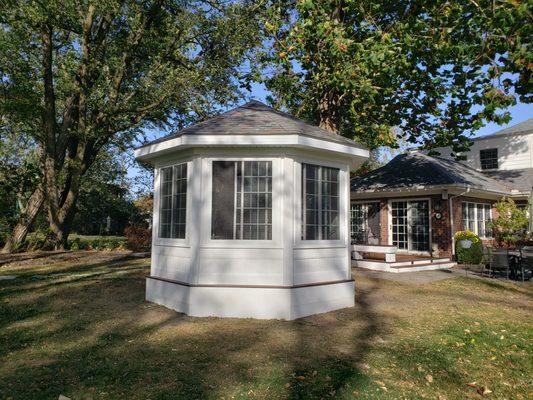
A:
77	324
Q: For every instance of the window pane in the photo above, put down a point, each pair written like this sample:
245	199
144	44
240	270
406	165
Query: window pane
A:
223	200
173	201
320	203
165	208
488	158
179	201
257	205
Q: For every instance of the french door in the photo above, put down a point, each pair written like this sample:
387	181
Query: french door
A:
410	225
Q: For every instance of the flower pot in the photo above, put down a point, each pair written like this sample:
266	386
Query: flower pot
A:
465	243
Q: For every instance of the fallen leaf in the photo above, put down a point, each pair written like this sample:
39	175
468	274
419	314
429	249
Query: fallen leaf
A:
472	384
429	378
300	378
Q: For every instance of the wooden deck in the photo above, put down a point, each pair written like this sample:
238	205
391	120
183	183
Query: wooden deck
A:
403	263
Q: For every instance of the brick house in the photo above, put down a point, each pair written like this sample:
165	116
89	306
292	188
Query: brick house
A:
417	202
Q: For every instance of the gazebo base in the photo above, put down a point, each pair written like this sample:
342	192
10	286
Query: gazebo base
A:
262	302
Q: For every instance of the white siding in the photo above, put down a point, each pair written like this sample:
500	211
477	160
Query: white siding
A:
514	151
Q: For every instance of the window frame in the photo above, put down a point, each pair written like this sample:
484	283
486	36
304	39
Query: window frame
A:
364	209
476	220
344	204
491	160
277	239
239	196
156	226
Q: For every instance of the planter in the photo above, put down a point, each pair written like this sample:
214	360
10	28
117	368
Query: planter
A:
465	243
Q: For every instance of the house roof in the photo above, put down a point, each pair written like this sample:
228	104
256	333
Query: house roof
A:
521	179
520	128
417	170
256	118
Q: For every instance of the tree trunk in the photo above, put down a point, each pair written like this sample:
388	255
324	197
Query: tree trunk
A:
25	221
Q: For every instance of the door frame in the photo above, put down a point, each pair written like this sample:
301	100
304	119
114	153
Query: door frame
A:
389	222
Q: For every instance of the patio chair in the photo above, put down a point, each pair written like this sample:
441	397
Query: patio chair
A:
524	268
499	262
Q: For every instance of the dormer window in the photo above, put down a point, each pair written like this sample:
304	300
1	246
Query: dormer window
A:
489	158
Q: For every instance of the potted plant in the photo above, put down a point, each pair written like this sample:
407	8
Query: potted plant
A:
465	238
469	248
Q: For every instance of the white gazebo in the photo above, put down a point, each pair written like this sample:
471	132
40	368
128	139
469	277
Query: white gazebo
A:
251	216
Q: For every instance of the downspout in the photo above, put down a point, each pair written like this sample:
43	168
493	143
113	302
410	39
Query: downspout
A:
450	212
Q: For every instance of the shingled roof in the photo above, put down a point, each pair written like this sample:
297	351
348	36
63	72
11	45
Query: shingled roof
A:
256	118
520	128
416	170
521	179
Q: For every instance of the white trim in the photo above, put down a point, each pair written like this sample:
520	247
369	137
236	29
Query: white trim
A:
179	143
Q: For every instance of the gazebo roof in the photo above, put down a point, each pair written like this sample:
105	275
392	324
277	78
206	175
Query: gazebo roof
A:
256	118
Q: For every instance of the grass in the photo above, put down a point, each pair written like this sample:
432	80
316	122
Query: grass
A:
76	324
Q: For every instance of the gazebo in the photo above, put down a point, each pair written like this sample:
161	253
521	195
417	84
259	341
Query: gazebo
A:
251	216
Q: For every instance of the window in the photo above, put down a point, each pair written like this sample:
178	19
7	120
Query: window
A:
489	158
476	217
364	223
173	202
320	203
242	200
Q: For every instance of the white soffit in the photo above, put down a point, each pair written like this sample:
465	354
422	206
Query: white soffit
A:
148	152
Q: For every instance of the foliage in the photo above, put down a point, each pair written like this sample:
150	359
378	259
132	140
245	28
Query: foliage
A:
511	224
87	74
437	70
107	243
471	255
138	238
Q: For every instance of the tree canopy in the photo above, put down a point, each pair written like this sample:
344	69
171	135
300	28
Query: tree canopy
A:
436	70
85	74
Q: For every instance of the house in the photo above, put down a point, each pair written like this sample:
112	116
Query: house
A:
251	216
417	202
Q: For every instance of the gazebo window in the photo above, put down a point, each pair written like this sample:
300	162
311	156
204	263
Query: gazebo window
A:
320	203
173	201
242	200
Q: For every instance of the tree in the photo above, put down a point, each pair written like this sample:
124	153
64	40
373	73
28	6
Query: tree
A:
436	70
98	72
511	222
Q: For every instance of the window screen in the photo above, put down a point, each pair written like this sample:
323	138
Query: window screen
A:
320	203
242	200
173	202
488	158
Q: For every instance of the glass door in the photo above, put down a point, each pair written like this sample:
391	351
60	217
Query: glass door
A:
365	223
410	225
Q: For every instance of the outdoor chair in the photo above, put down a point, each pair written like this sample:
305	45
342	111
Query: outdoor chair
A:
524	268
499	262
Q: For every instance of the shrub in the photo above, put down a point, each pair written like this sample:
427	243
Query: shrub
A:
471	255
138	238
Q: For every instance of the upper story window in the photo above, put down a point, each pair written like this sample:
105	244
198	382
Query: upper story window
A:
489	158
242	200
320	203
476	218
173	202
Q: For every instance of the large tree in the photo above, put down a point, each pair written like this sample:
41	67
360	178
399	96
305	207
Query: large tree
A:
93	72
437	70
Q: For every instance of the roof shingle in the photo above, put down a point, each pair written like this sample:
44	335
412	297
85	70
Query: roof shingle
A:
256	118
415	170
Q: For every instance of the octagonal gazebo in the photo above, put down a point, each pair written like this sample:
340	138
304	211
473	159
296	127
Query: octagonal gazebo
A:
251	216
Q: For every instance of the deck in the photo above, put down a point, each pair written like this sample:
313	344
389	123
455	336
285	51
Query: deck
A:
403	263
